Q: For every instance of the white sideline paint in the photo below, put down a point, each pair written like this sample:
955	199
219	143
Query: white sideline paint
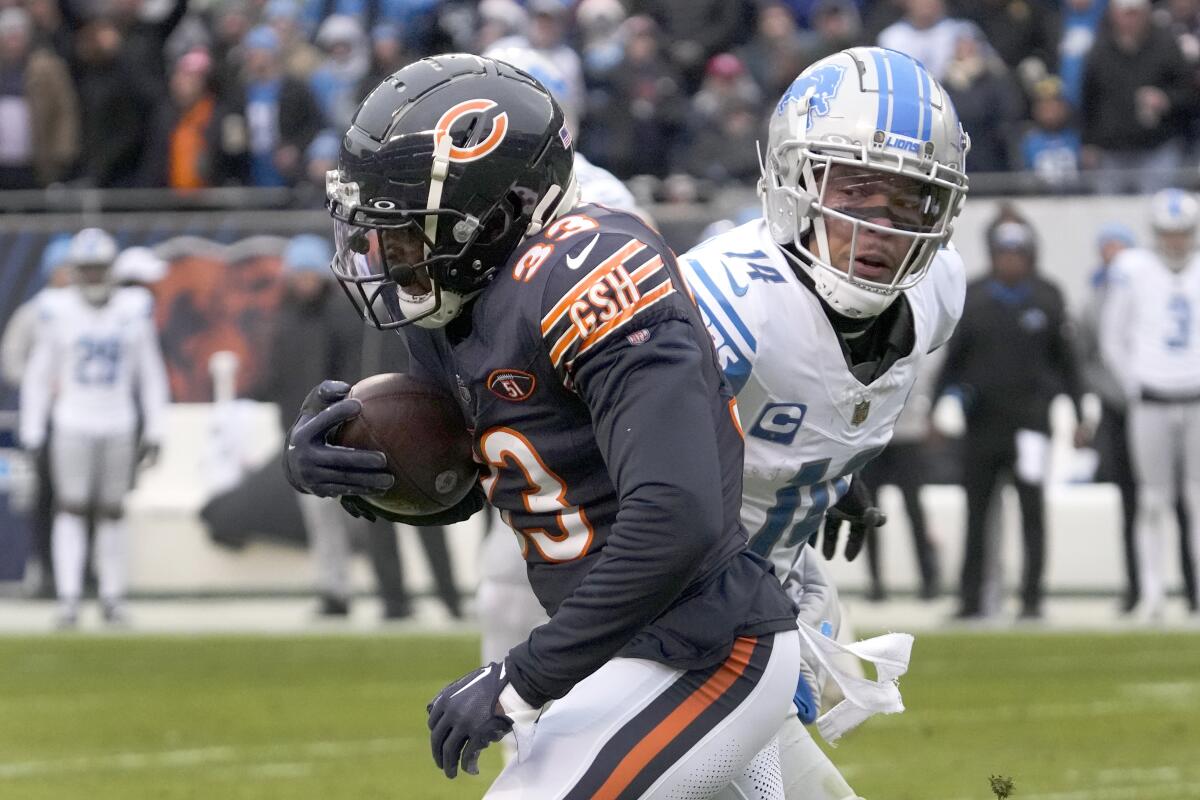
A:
290	755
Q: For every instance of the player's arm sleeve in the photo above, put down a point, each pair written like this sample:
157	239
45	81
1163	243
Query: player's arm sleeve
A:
728	311
950	293
653	421
153	388
16	343
37	386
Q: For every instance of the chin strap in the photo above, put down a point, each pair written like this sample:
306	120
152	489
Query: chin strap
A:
437	180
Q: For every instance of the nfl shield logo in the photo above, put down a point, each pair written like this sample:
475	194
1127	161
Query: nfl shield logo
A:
861	409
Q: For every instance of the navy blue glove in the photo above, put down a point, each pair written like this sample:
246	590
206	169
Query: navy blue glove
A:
314	466
856	508
466	717
356	506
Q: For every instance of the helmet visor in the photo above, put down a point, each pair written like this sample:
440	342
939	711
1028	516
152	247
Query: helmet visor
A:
886	199
380	267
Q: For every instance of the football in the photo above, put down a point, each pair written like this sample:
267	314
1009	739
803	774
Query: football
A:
422	432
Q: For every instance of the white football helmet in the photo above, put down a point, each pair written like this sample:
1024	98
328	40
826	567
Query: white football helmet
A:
1174	215
881	112
91	254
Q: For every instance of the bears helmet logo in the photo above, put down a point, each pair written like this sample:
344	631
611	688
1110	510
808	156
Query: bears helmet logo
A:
499	129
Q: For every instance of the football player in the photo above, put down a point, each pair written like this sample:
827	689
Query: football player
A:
1150	339
823	310
593	395
507	608
95	367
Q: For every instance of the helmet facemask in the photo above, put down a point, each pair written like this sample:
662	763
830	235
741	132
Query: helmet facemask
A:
94	280
397	268
865	228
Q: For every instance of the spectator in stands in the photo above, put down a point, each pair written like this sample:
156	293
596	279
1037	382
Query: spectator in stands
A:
602	49
347	58
1050	147
498	19
39	110
387	56
118	96
178	153
1025	34
778	51
693	31
547	35
805	12
231	23
1080	23
265	121
48	29
300	59
1182	19
1137	95
836	25
648	105
926	33
143	40
727	85
879	15
601	44
987	100
721	150
1012	342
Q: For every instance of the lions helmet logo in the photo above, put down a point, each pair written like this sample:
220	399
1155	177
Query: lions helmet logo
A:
460	111
819	86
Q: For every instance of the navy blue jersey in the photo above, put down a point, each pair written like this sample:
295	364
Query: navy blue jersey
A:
613	450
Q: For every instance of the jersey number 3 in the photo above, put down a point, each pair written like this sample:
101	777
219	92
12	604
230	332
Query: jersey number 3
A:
544	493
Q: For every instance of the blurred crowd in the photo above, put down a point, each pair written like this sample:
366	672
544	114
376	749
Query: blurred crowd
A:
209	93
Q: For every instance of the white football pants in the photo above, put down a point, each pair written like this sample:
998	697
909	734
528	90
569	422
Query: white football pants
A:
1164	440
639	729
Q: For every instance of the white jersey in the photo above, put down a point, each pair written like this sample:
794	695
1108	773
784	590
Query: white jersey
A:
1150	324
809	423
598	185
94	369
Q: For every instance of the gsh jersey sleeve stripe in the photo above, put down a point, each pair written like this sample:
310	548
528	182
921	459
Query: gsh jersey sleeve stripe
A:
577	293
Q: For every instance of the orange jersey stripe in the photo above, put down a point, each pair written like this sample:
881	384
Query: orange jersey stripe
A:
648	299
640	274
675	723
733	414
631	248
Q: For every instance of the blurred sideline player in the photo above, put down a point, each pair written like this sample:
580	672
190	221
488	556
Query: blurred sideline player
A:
507	608
1150	339
16	345
95	365
592	392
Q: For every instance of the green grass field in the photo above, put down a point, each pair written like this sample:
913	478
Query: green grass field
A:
1067	717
